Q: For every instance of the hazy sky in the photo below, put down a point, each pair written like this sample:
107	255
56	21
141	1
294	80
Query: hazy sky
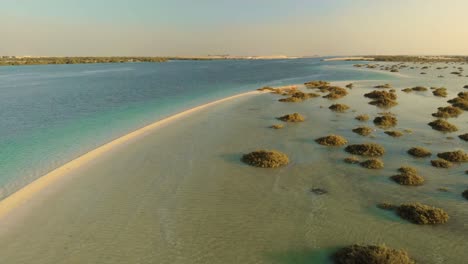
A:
236	27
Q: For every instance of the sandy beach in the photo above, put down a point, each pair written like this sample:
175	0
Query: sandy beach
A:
23	195
176	190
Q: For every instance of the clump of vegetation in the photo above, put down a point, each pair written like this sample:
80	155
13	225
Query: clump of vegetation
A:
382	98
456	100
352	160
463	104
386	206
363	131
332	140
339	107
459	102
419	152
284	90
384	103
277	126
312	95
319	191
419	89
464	137
370	150
441	163
407	90
454	156
362	118
266	159
440	92
407	169
383	86
463	95
316	84
442	125
371	254
394	133
350	86
465	194
447	112
336	92
372	164
381	95
298	96
266	88
408	176
385	121
295	117
291	100
422	214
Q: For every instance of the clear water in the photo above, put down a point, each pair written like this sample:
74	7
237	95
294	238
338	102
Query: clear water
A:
181	195
52	114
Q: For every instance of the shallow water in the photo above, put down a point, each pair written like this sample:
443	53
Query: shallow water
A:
53	113
181	195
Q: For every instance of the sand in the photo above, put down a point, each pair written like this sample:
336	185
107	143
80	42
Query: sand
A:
24	194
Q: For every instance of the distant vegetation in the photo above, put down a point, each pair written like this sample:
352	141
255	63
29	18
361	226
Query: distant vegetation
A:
26	60
11	60
419	58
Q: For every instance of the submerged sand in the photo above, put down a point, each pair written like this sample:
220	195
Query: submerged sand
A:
177	192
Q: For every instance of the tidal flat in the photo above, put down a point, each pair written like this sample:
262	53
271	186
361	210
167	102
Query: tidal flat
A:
181	194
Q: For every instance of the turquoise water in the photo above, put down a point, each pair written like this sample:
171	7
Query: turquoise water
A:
51	114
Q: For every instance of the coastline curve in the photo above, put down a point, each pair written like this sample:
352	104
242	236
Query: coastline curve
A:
24	194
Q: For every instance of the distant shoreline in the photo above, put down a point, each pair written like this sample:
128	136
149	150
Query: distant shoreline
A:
349	59
401	58
38	60
30	60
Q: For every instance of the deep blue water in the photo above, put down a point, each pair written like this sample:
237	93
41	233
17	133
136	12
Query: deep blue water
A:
51	114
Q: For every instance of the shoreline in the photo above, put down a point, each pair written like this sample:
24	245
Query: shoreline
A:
395	74
22	195
359	58
39	60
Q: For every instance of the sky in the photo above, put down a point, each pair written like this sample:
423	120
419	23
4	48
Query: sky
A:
240	27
